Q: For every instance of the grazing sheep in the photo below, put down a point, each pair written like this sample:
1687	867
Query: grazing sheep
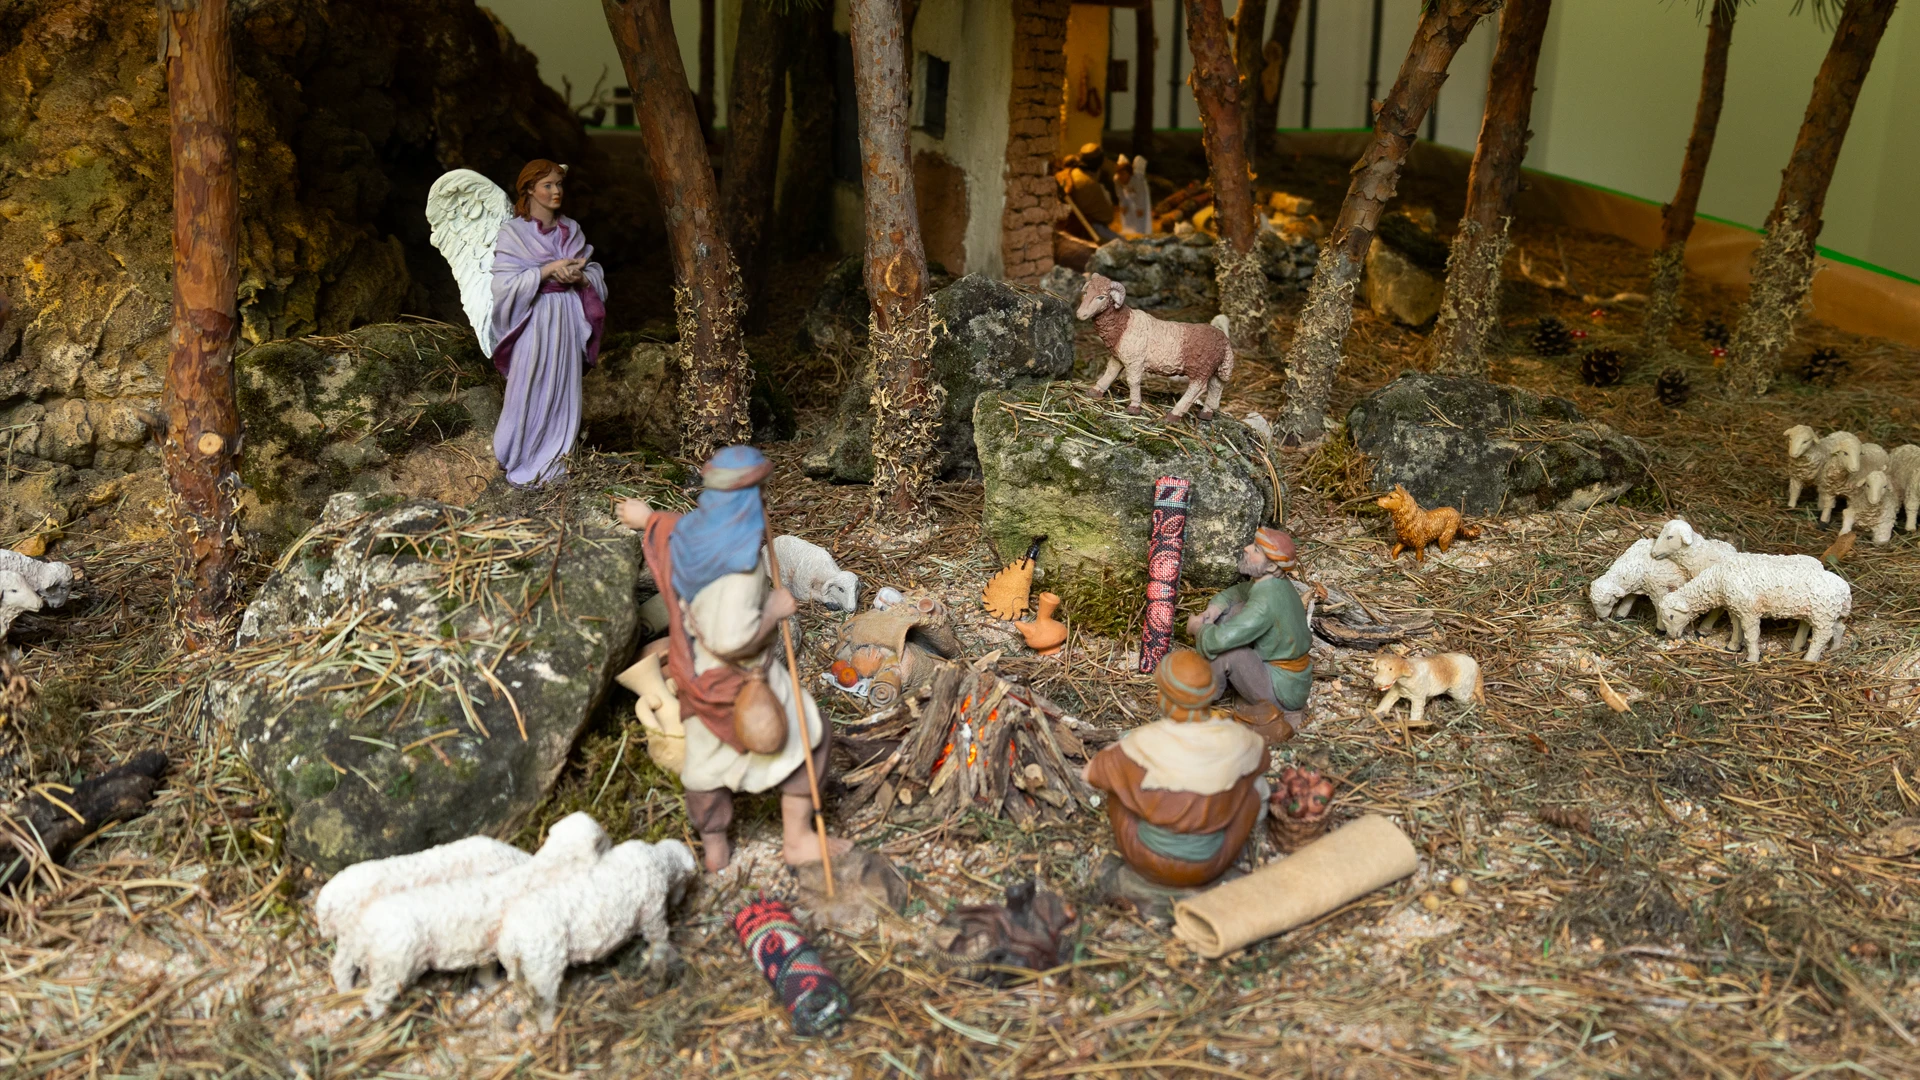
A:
1879	505
1634	574
453	925
1903	468
353	888
809	573
583	914
1753	587
1806	456
1142	345
17	596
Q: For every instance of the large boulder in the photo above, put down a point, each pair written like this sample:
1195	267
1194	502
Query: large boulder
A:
329	414
1490	449
415	674
988	335
1406	272
1082	474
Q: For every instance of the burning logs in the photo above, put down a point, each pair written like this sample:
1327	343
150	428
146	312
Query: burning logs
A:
974	742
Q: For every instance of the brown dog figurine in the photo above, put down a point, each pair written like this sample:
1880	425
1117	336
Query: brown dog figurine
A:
1415	528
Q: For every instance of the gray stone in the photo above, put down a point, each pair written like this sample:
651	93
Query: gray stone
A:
369	762
837	319
1489	449
1400	290
628	400
1178	271
988	335
1084	476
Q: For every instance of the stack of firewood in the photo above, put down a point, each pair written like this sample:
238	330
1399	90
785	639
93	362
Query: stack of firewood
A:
972	741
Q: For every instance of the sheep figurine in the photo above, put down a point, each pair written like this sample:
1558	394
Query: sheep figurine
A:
1143	345
1873	459
1903	468
1879	506
1687	549
1634	574
583	914
17	597
1753	587
455	924
52	580
1848	464
809	573
1806	455
352	889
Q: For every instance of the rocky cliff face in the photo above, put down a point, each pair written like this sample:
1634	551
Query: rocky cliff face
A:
348	110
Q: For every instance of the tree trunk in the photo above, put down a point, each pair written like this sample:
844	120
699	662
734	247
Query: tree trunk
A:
907	405
756	107
1783	268
1145	49
1249	24
1676	218
1470	311
715	375
1216	86
806	195
203	424
1273	71
1322	331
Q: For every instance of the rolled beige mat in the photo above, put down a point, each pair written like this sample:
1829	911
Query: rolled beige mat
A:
1343	865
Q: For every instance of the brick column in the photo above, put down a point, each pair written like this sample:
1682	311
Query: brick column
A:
1039	82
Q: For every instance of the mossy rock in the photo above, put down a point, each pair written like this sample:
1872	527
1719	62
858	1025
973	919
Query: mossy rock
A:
369	760
1082	473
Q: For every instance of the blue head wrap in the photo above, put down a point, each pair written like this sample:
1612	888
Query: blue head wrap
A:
723	534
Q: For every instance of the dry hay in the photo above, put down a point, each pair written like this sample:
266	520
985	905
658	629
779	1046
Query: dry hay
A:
1720	920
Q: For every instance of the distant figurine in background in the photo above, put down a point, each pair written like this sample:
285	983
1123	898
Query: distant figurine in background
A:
1185	791
1084	187
1136	203
1255	635
536	300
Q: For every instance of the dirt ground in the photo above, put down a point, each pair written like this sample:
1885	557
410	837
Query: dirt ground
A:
1721	919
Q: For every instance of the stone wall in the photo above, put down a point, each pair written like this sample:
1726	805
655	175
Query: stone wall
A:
1039	80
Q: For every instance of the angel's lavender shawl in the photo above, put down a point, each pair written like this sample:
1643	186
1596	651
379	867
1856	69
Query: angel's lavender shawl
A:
523	248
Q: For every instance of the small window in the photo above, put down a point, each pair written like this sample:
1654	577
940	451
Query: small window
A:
933	96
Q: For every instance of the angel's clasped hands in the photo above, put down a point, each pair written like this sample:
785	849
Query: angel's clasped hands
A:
564	271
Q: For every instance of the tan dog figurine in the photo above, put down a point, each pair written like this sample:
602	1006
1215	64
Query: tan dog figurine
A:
1415	528
1422	678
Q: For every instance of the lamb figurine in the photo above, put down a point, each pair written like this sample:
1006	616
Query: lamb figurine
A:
1873	459
1806	455
1879	506
809	573
1634	574
1687	549
583	914
341	899
53	581
1753	587
1903	468
453	925
17	596
1848	464
1142	345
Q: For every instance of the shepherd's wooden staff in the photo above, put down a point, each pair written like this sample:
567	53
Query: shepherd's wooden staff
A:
800	706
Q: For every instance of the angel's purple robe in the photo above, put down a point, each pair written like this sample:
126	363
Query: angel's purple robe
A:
548	333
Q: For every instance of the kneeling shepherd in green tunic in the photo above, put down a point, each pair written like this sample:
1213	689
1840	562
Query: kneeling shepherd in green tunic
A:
1256	637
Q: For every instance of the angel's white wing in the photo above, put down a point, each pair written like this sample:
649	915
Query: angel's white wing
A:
466	211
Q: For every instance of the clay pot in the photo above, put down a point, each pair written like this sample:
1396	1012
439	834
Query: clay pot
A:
1045	634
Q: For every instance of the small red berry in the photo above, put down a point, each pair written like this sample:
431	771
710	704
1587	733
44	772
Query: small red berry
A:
1580	334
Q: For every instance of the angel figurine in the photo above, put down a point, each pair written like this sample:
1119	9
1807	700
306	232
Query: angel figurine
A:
536	300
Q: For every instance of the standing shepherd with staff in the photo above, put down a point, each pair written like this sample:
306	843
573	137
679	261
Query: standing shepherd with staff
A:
725	615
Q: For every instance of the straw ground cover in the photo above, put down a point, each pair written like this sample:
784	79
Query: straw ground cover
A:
1721	918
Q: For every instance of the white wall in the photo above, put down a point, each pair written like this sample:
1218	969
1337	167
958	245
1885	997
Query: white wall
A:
977	39
572	41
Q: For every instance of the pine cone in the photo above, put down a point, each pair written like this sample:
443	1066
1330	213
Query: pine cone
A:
1673	388
1823	366
1602	367
1551	337
1297	809
1715	332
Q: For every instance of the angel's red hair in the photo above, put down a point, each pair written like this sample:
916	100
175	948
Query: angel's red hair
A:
535	171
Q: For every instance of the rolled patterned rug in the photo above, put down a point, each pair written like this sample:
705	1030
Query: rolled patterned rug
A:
812	996
1341	866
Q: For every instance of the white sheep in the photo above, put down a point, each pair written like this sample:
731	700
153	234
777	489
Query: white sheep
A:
1848	464
1687	549
809	573
1753	587
1142	345
1806	456
1873	459
1903	468
52	580
453	925
1879	506
582	915
1634	574
353	888
17	596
